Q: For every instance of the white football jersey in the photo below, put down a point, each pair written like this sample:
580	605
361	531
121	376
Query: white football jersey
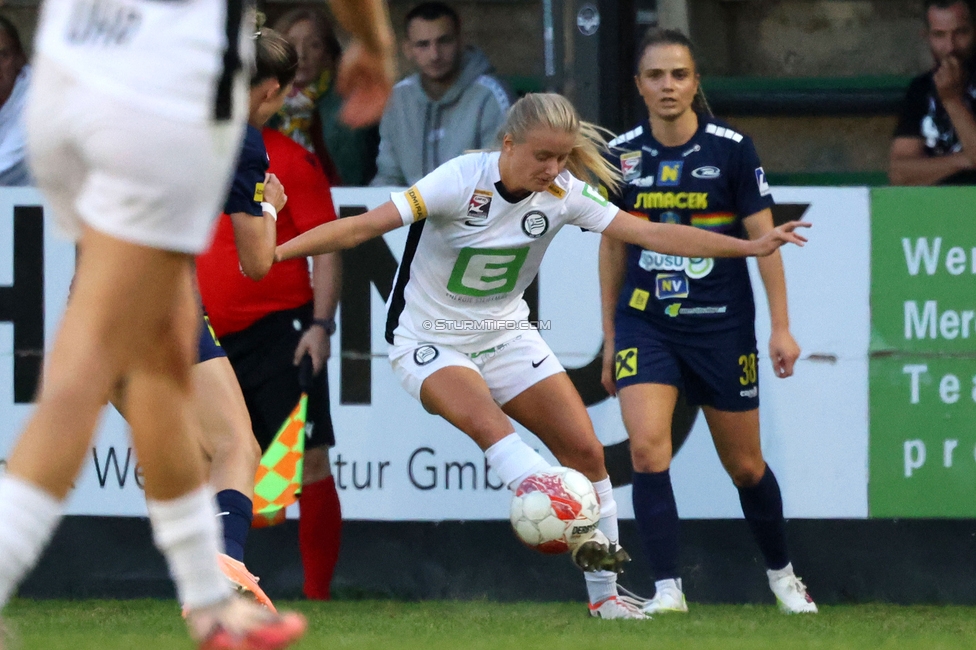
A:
167	56
473	254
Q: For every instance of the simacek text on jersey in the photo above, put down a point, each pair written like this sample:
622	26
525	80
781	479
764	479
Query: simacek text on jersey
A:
486	325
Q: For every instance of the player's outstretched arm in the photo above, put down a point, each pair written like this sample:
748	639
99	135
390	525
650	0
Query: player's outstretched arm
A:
673	239
342	233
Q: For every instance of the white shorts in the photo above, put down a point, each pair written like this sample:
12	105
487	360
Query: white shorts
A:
129	173
509	368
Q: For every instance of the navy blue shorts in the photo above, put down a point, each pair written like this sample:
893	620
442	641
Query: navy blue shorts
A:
717	369
209	347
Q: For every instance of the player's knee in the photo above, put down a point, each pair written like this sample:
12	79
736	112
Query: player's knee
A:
585	456
649	454
746	473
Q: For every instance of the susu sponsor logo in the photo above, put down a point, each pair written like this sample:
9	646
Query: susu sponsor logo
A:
693	267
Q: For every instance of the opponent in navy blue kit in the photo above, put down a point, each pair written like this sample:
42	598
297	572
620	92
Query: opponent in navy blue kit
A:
244	199
688	324
253	200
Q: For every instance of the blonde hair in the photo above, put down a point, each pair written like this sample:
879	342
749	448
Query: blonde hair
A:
586	160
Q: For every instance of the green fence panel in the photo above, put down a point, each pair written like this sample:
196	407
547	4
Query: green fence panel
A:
923	353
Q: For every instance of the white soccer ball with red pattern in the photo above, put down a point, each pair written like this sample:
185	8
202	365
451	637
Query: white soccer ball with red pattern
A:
555	510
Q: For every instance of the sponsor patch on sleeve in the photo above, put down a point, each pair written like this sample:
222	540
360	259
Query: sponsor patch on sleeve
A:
593	194
416	202
761	182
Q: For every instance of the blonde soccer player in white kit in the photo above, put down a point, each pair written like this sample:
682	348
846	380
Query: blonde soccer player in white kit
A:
135	118
457	323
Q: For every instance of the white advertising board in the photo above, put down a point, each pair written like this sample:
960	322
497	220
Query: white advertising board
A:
393	461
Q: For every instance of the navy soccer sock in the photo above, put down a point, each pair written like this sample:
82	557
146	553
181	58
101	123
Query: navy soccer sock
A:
762	505
657	521
235	513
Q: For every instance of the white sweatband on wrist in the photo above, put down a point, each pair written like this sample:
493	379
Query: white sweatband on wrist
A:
269	209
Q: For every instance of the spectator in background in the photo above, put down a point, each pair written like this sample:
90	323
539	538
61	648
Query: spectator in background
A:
451	105
935	140
267	327
310	115
14	79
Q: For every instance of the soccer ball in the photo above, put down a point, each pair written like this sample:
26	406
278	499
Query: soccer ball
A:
555	510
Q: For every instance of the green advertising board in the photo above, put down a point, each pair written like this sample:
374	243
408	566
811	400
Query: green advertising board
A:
923	353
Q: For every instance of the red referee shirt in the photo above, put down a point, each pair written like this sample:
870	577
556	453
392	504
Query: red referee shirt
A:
232	300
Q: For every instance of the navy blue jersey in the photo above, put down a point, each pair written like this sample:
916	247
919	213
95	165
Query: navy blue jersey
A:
247	189
712	182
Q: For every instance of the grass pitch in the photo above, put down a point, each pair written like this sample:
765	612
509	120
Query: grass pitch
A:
392	625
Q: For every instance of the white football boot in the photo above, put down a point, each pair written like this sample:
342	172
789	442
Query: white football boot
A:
791	594
617	607
669	598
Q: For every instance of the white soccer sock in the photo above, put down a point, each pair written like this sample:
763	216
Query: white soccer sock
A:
29	516
600	585
608	510
187	532
514	461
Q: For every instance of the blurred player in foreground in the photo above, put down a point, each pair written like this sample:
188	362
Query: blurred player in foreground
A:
252	206
133	132
683	323
460	340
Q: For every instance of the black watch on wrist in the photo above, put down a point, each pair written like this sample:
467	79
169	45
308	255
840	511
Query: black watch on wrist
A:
328	324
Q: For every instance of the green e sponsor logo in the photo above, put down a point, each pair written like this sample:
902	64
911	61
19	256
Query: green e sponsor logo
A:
591	193
486	271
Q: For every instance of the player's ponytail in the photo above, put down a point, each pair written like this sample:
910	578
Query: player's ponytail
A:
655	37
275	58
549	110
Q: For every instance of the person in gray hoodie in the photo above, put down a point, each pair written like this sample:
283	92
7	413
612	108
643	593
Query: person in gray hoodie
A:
451	105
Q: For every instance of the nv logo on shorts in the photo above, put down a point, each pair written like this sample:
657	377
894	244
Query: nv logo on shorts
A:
626	363
481	272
